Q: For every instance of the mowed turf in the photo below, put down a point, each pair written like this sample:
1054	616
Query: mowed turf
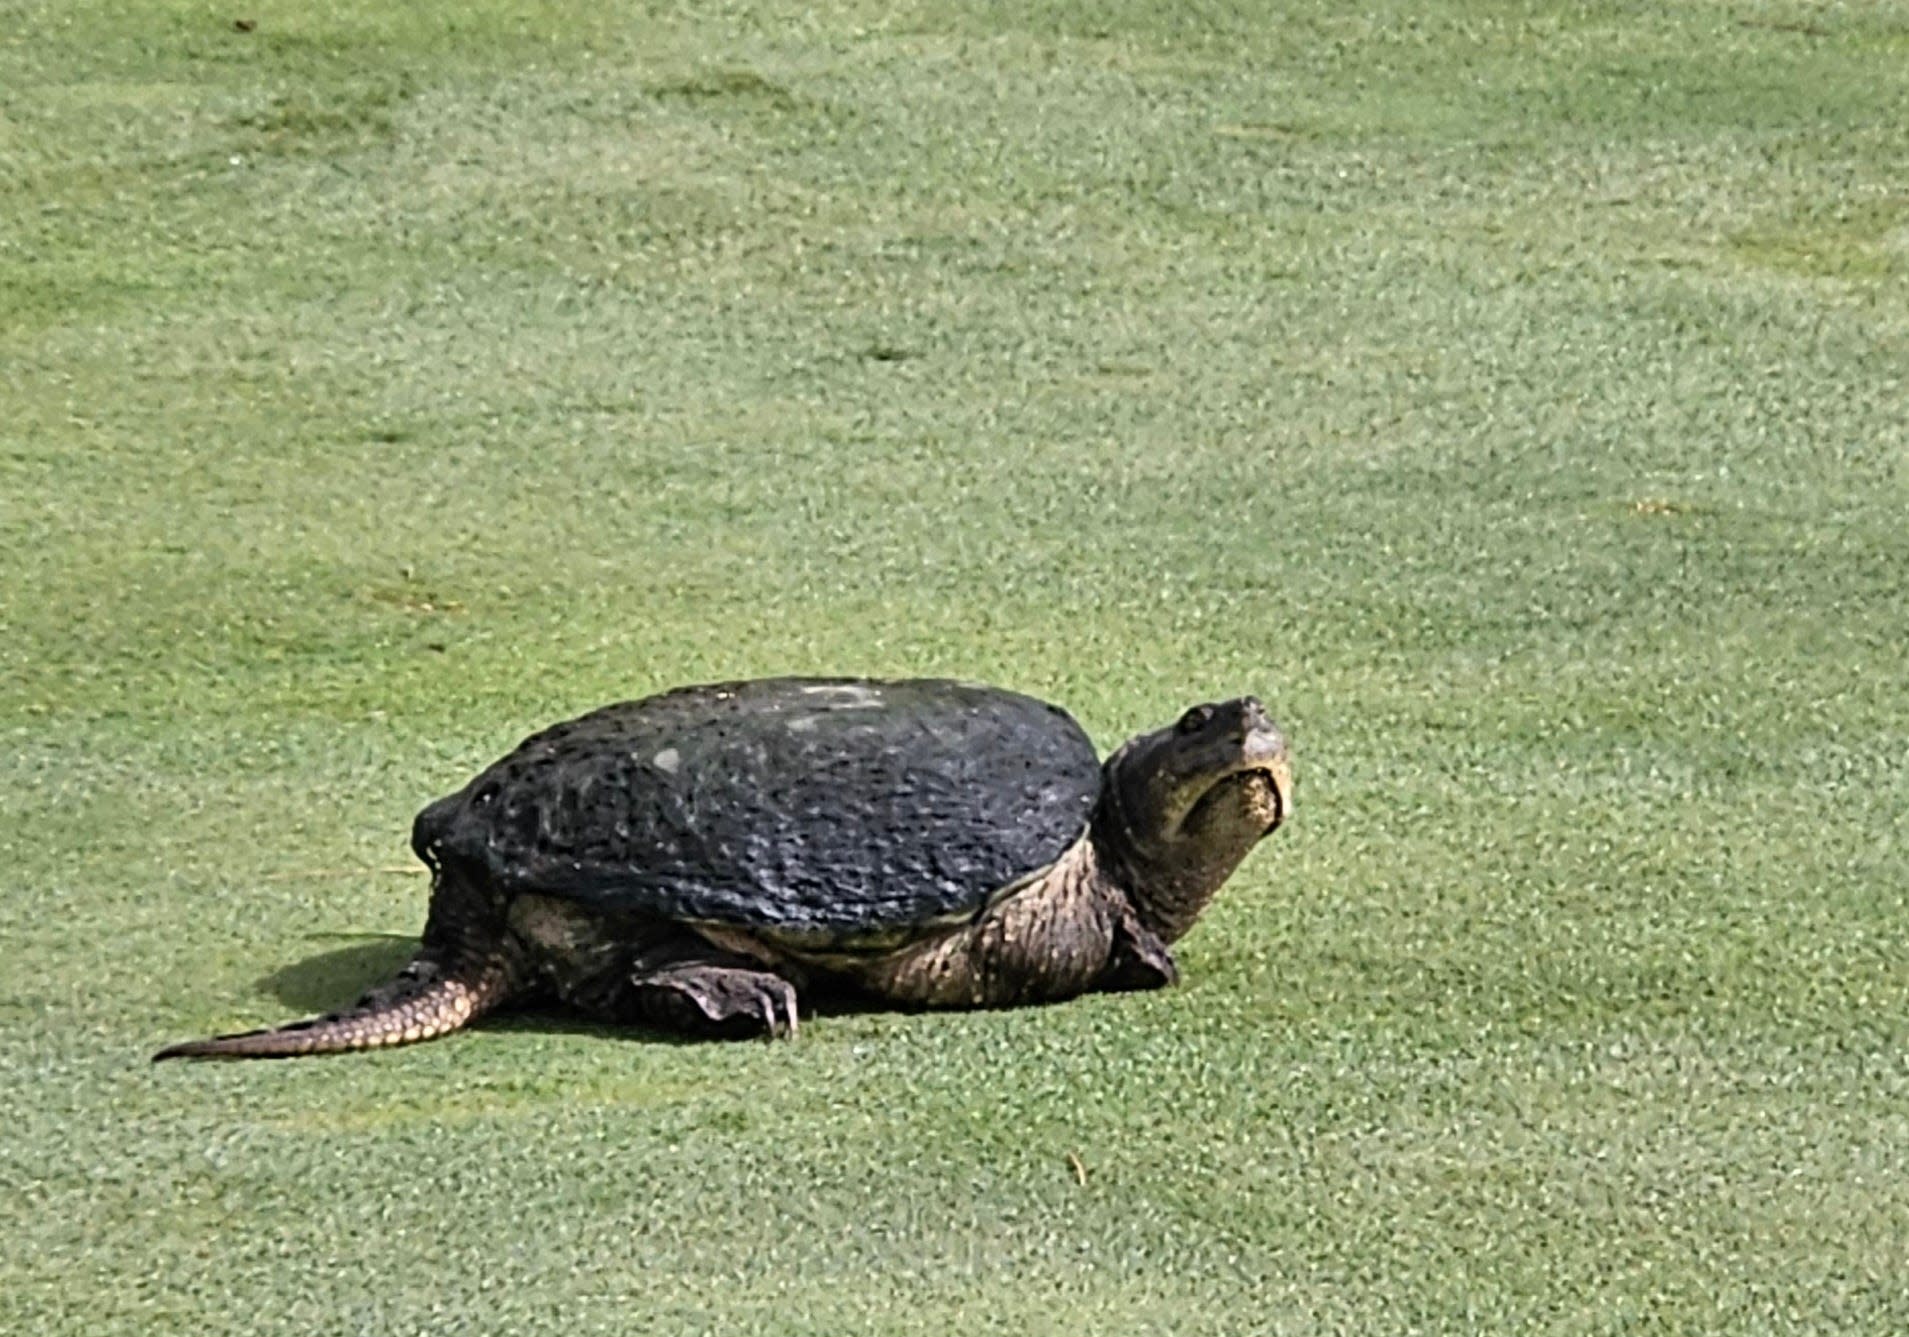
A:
1512	394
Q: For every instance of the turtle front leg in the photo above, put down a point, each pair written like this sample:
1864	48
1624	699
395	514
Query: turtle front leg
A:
1139	959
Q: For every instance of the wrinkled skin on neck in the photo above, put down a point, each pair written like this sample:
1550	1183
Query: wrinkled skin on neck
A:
1181	807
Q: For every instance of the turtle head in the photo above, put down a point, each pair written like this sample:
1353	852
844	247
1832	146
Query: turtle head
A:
1181	807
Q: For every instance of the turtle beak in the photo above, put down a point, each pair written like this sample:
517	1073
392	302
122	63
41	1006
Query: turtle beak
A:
1281	773
1263	748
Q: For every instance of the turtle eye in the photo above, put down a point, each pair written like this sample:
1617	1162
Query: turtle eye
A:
1194	720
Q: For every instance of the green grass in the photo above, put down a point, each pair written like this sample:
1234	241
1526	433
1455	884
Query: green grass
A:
1512	394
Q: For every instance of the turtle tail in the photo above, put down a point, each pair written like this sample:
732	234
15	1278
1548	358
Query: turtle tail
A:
468	964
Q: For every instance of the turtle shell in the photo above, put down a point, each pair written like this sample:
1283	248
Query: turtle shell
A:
816	807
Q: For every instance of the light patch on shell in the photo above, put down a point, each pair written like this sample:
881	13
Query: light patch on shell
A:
667	760
847	695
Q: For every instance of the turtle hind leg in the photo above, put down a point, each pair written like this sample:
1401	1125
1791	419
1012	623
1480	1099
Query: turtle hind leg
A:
681	983
631	970
467	965
718	996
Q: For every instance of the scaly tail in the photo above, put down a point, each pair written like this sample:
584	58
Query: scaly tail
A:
467	965
426	1000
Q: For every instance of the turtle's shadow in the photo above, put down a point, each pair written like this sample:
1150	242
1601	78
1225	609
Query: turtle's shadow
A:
332	979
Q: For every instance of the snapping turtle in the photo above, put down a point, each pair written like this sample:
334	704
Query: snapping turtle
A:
705	858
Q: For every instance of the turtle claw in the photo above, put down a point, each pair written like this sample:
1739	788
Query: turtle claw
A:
779	998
